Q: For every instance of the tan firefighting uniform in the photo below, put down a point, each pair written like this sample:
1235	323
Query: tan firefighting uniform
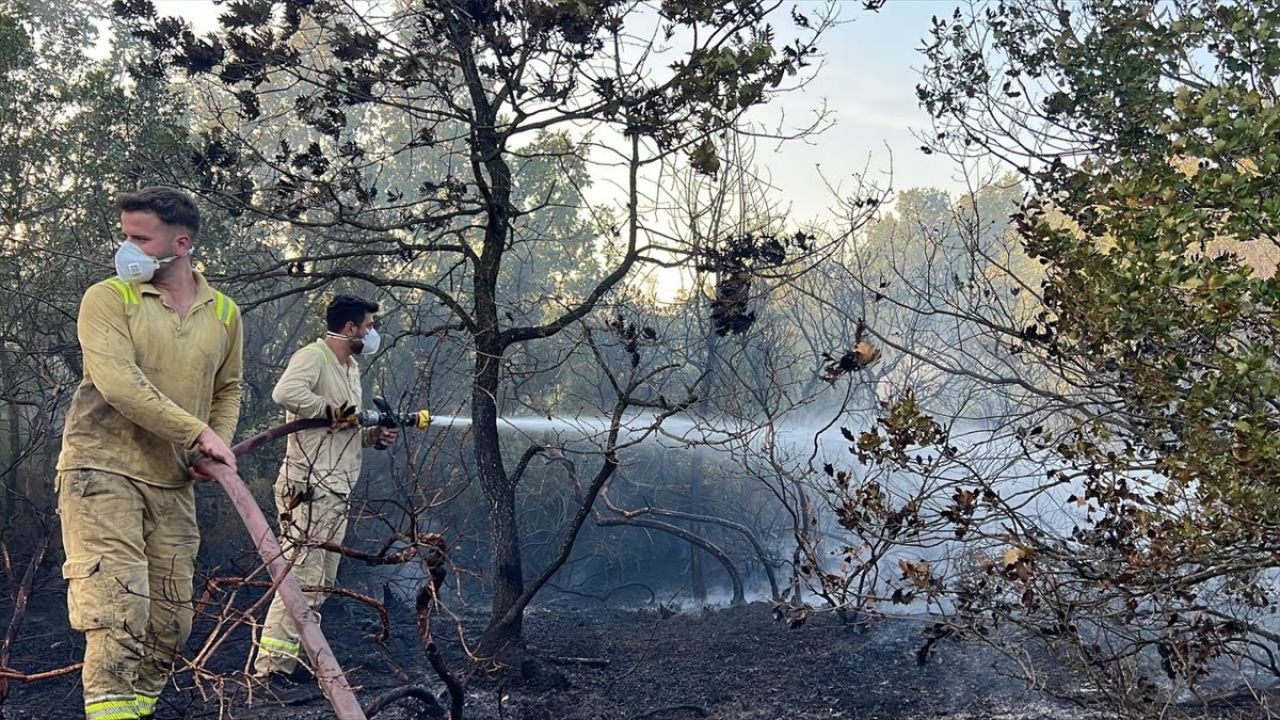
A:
320	468
152	382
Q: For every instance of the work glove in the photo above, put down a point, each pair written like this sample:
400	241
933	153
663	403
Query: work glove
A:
341	416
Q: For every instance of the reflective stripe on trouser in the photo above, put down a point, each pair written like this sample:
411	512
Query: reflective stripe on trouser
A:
131	550
323	518
279	648
146	704
111	707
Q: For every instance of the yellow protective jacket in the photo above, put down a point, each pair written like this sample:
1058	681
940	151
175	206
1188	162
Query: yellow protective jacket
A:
152	381
314	380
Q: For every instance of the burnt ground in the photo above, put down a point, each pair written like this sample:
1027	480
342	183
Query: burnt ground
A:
734	663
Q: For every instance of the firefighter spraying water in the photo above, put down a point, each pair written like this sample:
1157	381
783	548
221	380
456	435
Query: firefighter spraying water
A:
314	485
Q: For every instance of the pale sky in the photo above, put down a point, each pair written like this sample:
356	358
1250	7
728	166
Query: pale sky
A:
868	83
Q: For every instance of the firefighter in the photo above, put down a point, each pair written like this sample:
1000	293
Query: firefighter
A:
162	371
320	469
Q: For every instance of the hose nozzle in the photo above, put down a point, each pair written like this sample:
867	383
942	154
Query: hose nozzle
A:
381	415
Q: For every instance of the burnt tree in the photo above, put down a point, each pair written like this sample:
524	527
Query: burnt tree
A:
441	152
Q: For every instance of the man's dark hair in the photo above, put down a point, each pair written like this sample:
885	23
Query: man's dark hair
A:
345	309
173	207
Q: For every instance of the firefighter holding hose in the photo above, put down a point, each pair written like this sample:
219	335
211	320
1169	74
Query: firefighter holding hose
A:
161	383
320	469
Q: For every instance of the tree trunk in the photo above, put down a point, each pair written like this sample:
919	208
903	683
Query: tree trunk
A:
804	538
492	176
13	479
505	561
696	575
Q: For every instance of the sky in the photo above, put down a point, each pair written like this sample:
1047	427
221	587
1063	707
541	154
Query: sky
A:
868	83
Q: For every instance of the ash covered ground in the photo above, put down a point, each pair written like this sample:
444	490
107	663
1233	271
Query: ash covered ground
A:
737	663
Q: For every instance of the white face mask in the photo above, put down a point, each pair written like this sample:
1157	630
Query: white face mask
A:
368	344
134	265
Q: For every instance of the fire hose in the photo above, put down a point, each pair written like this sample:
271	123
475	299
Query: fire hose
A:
328	672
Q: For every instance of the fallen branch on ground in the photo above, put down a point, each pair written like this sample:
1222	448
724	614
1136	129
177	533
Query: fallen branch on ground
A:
434	709
9	673
662	712
569	660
